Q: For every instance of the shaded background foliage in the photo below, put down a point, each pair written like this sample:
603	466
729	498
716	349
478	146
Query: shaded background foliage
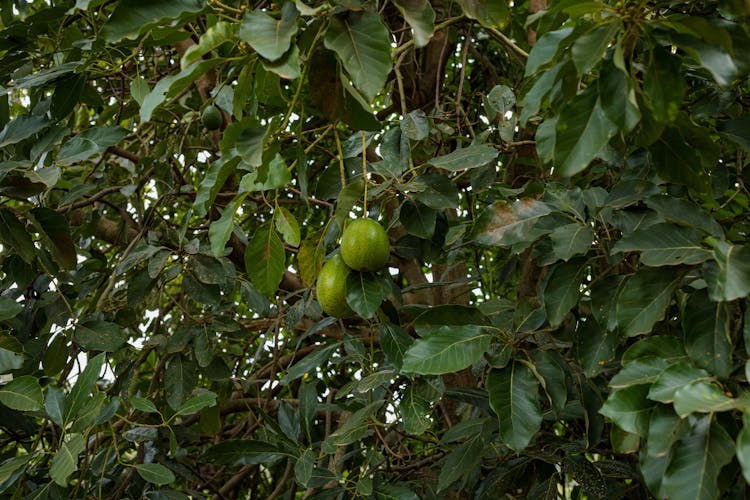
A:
563	312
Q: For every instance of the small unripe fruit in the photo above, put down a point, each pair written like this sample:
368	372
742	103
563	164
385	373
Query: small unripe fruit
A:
331	287
211	117
365	245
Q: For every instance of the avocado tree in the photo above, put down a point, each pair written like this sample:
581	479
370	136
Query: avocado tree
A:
561	312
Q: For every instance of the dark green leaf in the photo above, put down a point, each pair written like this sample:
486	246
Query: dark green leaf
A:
81	390
272	175
197	403
514	398
132	17
216	175
447	349
179	380
664	85
354	428
394	341
560	291
99	335
665	244
22	127
308	363
545	49
270	37
674	377
23	394
581	132
420	16
489	13
697	461
55	226
265	260
474	156
706	326
155	473
702	397
14	235
629	409
89	143
65	461
461	461
571	240
418	219
415	411
644	299
439	191
362	44
728	275
590	47
9	308
365	292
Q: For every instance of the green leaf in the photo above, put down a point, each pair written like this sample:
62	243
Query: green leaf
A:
271	175
420	16
155	473
675	159
9	308
353	429
589	48
55	226
270	37
197	403
664	85
546	49
12	468
677	375
618	99
265	260
668	347
581	132
303	469
89	143
99	335
447	349
571	240
242	452
287	225
629	409
13	234
514	397
684	212
362	43
23	394
308	363
644	370
743	447
707	330
65	461
728	275
507	225
415	125
171	85
473	156
664	429
394	341
365	292
81	390
560	291
644	299
459	462
702	397
220	230
418	219
214	37
143	404
489	13
22	127
180	377
133	17
216	175
696	462
532	101
435	190
415	411
664	244
595	347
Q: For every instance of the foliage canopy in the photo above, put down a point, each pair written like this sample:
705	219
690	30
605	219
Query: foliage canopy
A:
563	310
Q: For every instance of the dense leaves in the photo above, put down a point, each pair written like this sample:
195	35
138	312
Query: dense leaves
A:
563	309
